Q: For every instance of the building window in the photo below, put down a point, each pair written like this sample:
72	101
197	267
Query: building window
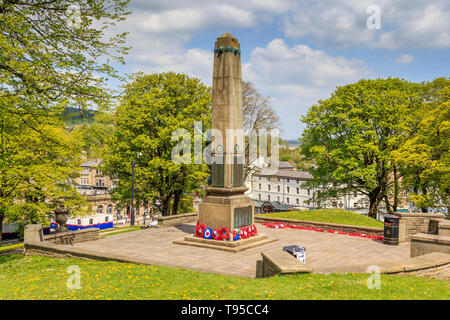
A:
309	192
298	190
287	199
287	180
91	221
298	201
278	188
79	222
99	209
109	209
260	186
259	197
355	194
268	187
268	197
106	219
287	189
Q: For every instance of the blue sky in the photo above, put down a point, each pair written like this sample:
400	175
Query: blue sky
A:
295	52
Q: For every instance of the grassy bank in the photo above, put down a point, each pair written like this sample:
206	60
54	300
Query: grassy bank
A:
330	216
46	278
11	247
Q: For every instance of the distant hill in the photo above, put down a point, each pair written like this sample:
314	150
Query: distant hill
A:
72	116
293	142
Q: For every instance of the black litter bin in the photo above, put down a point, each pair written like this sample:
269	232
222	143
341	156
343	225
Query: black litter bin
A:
296	251
391	224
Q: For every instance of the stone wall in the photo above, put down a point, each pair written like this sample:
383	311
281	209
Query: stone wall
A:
177	219
281	262
422	244
325	226
71	237
411	223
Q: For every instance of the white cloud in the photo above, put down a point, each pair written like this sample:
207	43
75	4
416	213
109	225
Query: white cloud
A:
294	76
298	76
301	65
404	59
404	23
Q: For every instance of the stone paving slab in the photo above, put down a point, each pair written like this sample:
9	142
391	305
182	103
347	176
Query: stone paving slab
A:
325	252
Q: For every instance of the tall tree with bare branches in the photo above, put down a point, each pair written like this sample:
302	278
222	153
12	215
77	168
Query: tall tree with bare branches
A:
258	115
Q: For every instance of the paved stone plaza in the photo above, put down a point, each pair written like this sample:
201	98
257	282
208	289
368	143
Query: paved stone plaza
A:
325	252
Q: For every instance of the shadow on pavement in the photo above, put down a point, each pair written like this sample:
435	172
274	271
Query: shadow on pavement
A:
186	228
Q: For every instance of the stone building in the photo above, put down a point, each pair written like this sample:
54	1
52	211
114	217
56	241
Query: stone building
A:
96	186
285	187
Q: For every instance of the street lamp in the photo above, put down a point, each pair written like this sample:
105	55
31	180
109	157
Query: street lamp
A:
133	163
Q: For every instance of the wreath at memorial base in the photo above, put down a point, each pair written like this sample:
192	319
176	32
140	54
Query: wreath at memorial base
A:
208	233
199	229
236	234
245	233
224	233
202	231
253	230
217	234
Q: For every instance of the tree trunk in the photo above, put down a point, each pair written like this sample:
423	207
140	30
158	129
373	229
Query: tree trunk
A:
388	204
176	201
2	216
166	205
396	190
374	198
424	192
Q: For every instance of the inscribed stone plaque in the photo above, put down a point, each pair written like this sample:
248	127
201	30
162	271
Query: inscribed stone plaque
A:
242	216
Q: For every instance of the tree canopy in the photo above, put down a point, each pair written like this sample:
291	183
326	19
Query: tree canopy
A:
37	168
56	54
152	108
350	137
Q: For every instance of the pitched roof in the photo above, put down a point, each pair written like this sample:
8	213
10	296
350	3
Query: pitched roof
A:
285	165
289	174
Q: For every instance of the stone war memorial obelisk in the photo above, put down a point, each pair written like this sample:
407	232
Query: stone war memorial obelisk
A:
226	214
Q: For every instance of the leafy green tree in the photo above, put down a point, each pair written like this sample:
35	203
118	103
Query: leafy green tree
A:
152	108
56	54
349	137
38	163
93	135
424	159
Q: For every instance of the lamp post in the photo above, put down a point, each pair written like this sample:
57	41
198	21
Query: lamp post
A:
133	163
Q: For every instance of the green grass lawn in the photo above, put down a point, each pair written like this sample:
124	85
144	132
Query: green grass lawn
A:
338	216
110	232
46	278
11	247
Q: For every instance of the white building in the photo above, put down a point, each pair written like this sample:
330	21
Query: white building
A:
284	186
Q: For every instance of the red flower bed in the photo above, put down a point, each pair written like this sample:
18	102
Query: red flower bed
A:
278	225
